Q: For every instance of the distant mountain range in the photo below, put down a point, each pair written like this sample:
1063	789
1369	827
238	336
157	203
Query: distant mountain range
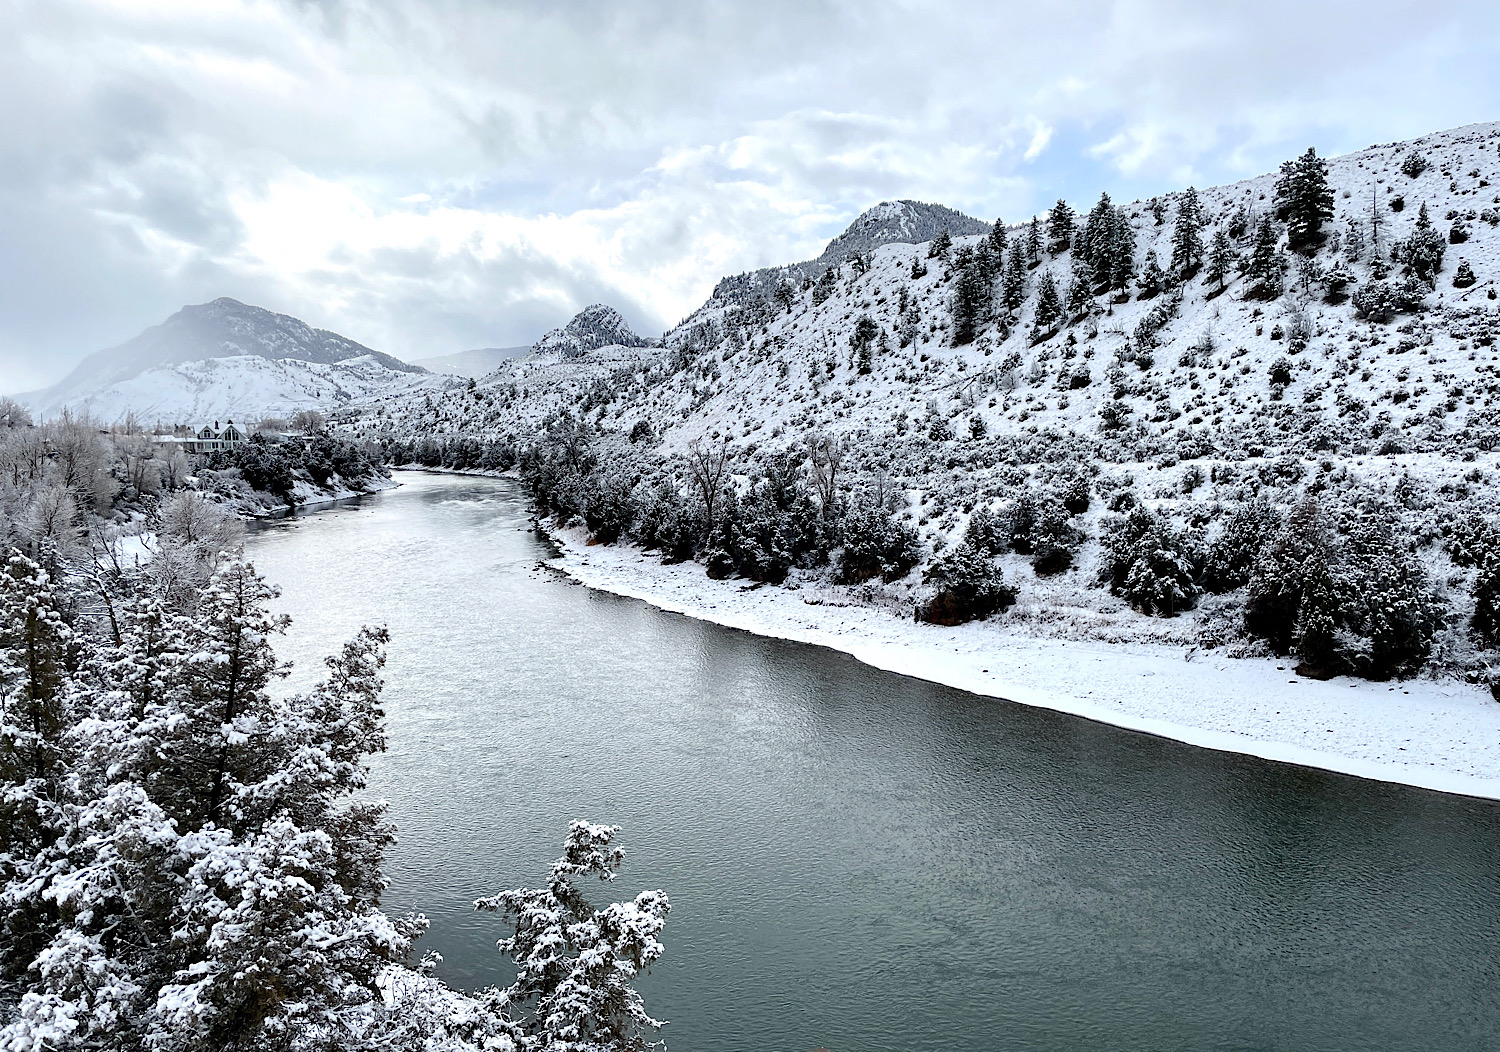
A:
476	363
225	358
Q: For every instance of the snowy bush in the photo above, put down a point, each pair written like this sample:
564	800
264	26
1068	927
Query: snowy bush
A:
1147	563
875	544
969	586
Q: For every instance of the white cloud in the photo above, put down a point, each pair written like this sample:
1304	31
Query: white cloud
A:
431	174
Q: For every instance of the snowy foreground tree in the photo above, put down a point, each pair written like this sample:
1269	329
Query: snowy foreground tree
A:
188	861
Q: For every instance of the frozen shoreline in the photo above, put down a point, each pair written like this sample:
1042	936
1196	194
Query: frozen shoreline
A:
1438	735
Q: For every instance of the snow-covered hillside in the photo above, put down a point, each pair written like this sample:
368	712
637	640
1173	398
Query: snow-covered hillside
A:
756	371
248	388
1112	413
222	329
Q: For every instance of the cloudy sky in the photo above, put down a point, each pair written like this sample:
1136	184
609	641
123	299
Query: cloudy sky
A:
431	175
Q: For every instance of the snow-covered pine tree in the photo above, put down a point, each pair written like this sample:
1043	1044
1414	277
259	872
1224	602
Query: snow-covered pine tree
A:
997	241
1304	200
970	301
1153	278
1013	285
1092	240
1033	242
1486	618
1049	306
1221	259
1121	251
1080	288
1187	246
1059	227
970	586
826	285
1423	251
1266	265
940	245
575	963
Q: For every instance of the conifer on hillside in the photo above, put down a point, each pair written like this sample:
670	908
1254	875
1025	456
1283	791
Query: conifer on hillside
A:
1304	200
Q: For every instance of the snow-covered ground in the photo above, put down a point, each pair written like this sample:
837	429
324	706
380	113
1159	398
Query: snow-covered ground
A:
1441	735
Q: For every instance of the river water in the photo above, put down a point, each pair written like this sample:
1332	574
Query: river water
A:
867	862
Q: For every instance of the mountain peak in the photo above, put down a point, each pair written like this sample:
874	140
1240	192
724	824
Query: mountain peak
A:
221	328
905	221
597	325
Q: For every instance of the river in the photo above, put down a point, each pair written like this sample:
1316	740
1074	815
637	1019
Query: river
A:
864	861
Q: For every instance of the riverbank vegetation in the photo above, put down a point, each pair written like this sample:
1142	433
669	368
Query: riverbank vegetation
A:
1345	575
68	483
189	859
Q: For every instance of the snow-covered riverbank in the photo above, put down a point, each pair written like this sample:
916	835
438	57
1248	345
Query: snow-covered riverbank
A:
1440	735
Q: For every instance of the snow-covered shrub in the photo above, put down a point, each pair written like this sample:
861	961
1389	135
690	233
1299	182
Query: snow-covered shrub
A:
1414	164
1378	300
1232	555
1486	618
969	587
875	544
1055	541
1463	277
1358	603
1147	563
1422	252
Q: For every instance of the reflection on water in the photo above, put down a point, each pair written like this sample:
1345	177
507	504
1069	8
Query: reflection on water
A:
868	862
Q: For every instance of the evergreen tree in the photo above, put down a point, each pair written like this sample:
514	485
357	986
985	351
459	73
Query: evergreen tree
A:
940	245
1266	265
1034	242
1221	259
1013	286
1486	619
970	586
1092	241
1153	279
1059	227
575	963
1048	305
1423	251
34	641
997	241
1081	288
970	303
826	285
1304	200
1121	251
1187	247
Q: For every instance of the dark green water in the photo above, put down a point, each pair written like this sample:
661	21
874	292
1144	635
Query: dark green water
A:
866	862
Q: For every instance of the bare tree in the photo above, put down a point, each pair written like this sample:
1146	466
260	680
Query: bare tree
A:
308	421
707	463
13	414
825	453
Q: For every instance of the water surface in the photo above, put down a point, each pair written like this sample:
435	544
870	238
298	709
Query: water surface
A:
867	862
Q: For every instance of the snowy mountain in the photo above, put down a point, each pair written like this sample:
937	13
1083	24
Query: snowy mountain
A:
890	222
1221	371
224	328
249	387
591	328
475	363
